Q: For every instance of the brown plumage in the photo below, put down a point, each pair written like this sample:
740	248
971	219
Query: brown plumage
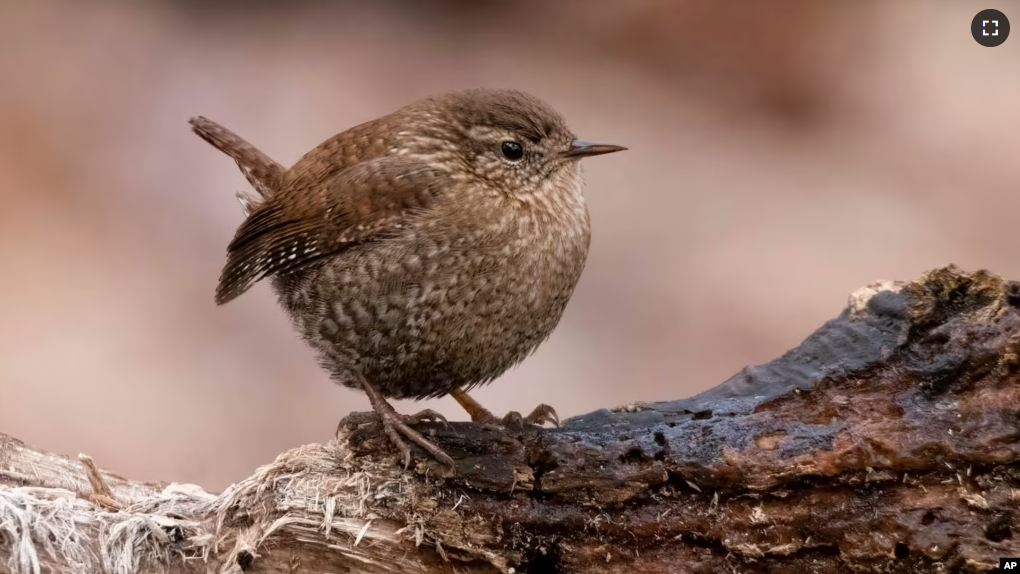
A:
421	253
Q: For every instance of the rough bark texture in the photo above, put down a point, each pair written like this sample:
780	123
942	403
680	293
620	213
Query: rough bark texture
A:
886	442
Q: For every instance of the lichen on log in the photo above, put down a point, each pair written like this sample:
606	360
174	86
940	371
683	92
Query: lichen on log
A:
887	441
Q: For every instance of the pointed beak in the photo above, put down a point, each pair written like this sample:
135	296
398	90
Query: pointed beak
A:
579	149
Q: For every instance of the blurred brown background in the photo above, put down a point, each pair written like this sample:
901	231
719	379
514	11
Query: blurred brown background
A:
782	154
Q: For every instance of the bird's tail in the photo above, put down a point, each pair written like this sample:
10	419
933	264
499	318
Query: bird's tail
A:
259	169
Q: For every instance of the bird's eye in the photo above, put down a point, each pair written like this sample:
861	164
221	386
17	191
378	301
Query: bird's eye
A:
511	150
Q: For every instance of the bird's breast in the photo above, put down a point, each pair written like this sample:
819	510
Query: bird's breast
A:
535	244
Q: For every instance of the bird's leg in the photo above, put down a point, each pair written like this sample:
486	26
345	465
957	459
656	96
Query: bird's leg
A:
478	413
541	414
397	426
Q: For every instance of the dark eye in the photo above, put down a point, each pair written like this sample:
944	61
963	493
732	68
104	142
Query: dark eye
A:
511	150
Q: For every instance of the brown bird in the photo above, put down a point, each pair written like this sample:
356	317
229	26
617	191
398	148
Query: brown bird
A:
422	253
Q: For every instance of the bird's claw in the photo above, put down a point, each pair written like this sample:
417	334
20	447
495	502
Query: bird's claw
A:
541	415
425	416
397	428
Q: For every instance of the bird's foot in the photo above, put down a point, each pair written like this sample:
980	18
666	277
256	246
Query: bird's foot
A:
540	415
397	426
356	419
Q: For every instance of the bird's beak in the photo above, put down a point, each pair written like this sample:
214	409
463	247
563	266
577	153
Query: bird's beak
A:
579	149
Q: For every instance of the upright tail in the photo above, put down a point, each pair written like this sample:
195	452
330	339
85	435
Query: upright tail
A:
259	169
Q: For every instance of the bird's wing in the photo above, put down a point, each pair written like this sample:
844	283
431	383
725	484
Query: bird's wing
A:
299	225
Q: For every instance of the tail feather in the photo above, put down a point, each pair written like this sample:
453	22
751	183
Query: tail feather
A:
264	175
259	169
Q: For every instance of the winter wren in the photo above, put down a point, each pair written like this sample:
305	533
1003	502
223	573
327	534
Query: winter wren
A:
424	252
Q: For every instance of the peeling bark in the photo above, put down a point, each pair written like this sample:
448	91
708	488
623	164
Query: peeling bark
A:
886	442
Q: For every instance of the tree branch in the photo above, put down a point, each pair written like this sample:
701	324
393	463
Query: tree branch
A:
886	442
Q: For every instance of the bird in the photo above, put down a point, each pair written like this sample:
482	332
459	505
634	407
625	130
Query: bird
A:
423	253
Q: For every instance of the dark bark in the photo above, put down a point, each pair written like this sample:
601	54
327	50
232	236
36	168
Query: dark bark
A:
886	441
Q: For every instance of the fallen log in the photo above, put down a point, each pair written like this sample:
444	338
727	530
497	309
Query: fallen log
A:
888	441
